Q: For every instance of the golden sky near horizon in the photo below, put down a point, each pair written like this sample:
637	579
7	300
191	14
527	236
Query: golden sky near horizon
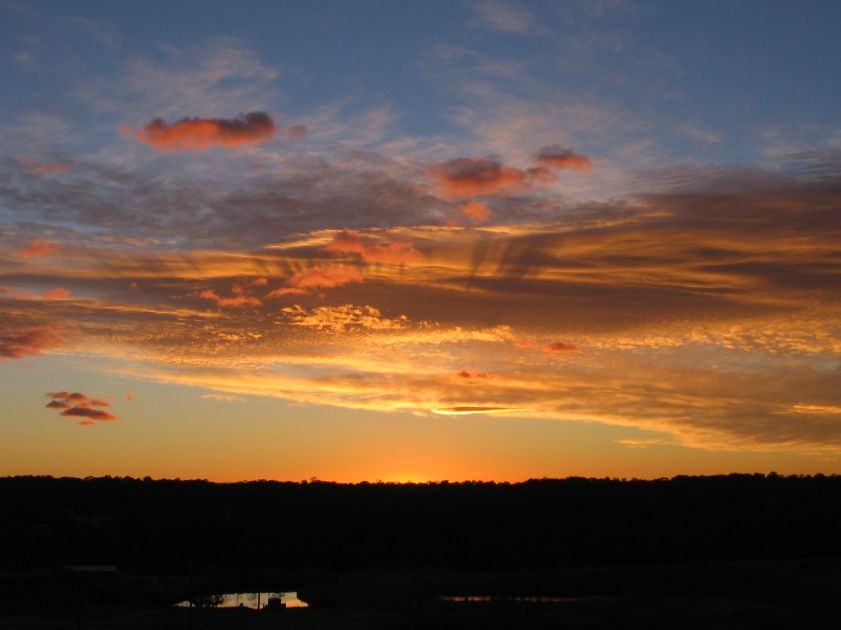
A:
195	283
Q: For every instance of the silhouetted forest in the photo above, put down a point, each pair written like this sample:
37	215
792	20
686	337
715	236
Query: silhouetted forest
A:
172	526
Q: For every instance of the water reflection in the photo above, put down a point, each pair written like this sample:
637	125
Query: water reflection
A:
246	600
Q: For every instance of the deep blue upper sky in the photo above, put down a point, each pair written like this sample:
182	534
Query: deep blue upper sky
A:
710	81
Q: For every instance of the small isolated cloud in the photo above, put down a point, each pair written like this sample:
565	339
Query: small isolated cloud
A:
470	374
504	17
200	134
87	412
556	156
560	347
79	405
30	341
318	278
471	177
38	247
476	211
390	252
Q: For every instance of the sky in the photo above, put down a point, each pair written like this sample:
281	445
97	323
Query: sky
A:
410	241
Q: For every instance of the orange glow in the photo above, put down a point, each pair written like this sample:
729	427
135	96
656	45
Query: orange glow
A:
38	247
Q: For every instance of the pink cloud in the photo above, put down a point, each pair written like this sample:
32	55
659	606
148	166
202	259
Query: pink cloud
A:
391	252
318	278
477	211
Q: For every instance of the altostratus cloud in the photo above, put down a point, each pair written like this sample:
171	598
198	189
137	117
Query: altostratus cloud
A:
200	134
79	405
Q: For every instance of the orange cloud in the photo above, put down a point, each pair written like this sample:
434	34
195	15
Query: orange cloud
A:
477	211
200	134
236	300
30	341
469	177
556	156
38	247
56	294
559	347
392	252
318	278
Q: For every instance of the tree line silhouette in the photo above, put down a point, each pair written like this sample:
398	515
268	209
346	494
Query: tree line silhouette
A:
174	526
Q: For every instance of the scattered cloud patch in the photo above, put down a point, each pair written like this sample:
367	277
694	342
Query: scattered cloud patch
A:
472	177
317	278
560	347
373	251
79	405
341	318
201	134
477	211
30	341
556	156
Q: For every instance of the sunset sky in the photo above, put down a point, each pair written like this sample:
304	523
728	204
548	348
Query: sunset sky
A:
420	240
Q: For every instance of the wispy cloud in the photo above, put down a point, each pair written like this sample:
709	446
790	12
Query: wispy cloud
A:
504	17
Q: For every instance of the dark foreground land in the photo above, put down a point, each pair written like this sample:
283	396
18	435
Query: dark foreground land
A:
737	551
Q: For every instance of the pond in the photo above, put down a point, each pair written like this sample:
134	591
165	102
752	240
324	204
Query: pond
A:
246	600
516	599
